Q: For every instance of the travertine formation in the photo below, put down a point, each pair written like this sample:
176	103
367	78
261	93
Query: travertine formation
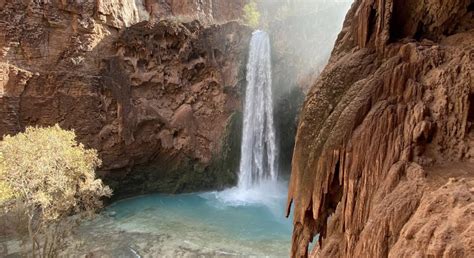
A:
158	99
383	162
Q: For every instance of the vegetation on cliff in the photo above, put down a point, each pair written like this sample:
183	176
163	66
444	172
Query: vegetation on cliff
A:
251	14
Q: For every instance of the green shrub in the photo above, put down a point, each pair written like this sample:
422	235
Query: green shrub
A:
251	14
6	192
50	175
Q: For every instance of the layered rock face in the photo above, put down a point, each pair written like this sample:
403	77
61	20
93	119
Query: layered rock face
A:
160	101
207	11
383	163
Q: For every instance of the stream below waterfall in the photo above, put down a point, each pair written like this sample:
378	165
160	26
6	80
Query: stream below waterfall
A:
227	223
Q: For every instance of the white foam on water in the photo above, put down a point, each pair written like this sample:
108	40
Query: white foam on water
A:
271	194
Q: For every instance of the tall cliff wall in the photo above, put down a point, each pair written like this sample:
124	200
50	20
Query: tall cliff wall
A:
160	101
384	159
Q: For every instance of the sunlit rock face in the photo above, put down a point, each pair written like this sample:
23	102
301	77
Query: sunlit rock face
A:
159	100
207	11
383	163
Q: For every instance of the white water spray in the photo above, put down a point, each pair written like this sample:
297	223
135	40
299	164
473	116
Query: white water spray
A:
258	151
258	174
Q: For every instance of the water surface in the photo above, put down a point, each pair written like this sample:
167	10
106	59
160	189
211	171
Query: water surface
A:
229	223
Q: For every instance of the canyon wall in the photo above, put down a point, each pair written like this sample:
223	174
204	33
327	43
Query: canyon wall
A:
207	11
159	100
384	159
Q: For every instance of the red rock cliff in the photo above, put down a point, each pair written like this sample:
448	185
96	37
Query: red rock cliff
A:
208	11
155	99
384	158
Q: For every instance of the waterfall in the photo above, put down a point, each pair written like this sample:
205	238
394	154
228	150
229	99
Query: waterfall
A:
258	151
258	184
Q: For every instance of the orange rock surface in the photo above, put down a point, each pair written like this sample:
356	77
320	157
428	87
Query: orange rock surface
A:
383	164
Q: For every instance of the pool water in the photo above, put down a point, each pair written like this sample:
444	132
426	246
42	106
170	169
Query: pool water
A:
234	222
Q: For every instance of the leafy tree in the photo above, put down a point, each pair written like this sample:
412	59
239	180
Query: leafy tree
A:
251	14
51	177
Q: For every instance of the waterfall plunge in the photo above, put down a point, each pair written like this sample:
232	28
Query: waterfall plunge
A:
258	184
258	151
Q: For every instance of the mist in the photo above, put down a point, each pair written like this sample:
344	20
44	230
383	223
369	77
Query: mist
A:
303	33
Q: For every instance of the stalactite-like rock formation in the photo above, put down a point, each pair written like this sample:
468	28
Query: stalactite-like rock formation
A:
384	156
